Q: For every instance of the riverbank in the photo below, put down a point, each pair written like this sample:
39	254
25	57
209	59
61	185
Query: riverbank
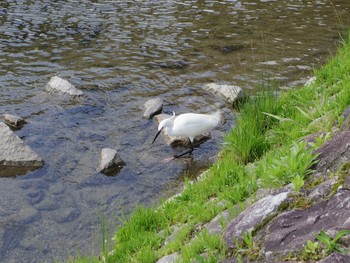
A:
271	151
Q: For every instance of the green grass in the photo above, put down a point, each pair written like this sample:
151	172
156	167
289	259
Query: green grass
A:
265	146
204	248
247	141
139	237
280	166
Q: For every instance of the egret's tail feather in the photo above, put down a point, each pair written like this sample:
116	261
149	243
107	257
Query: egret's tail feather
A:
216	118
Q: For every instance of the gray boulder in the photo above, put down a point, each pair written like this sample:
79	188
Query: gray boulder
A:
13	151
61	85
230	93
252	217
110	162
152	107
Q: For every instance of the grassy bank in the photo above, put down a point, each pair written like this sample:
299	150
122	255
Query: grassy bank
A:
265	149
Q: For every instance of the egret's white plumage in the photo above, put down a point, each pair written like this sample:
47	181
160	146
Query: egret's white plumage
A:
188	125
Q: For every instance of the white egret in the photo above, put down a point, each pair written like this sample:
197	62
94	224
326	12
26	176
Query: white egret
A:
188	125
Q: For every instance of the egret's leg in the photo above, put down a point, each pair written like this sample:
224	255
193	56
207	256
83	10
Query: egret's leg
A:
185	152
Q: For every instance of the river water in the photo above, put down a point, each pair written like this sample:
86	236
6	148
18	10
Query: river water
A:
122	53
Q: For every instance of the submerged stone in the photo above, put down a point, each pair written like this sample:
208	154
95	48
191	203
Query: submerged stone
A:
169	64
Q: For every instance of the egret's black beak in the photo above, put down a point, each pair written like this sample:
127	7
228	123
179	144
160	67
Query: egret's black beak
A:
157	135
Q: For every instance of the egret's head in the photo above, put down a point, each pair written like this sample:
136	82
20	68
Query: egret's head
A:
164	124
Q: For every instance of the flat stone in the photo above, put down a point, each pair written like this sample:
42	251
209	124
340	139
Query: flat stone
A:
172	258
110	162
291	230
334	153
13	121
230	93
215	225
177	140
322	190
252	217
152	107
61	85
13	151
336	258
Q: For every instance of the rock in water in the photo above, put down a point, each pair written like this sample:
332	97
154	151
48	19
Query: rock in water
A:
229	93
152	107
110	163
61	85
13	151
13	121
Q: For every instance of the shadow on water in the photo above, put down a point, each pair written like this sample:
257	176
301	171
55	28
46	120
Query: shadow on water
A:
11	171
122	53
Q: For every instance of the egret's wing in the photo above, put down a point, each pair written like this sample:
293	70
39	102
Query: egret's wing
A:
205	120
192	124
